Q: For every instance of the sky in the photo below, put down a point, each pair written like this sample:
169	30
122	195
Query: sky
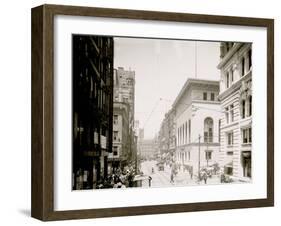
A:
161	68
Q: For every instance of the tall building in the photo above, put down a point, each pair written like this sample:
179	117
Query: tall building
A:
124	94
197	115
124	90
236	100
92	108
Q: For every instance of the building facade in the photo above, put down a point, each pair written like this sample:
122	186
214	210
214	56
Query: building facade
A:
163	137
92	109
197	117
148	148
124	94
236	100
167	136
124	90
121	142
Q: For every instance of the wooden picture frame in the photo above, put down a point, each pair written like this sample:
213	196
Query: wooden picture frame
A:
42	203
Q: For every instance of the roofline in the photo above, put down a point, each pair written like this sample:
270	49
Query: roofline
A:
191	81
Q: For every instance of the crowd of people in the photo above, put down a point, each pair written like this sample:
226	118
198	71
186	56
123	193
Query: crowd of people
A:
119	178
124	177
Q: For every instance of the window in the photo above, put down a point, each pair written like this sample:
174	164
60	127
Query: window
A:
230	138
243	67
243	108
250	59
250	105
183	133
178	136
189	156
231	75
189	130
204	96
208	155
226	115
212	96
180	140
246	164
227	79
231	110
115	150
115	119
219	129
115	135
208	130
247	136
186	132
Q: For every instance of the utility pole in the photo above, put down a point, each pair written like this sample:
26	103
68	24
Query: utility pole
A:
199	177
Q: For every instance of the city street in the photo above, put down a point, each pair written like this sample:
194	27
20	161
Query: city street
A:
163	178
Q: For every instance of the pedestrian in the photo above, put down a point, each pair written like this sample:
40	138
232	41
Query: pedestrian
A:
205	176
130	179
172	177
191	172
149	181
222	178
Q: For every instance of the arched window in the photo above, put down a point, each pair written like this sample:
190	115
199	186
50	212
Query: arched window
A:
208	130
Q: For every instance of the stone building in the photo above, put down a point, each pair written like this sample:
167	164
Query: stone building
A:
92	109
167	136
197	117
121	142
124	90
124	95
236	100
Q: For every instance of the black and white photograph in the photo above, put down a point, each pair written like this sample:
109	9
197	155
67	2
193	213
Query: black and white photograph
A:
160	112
